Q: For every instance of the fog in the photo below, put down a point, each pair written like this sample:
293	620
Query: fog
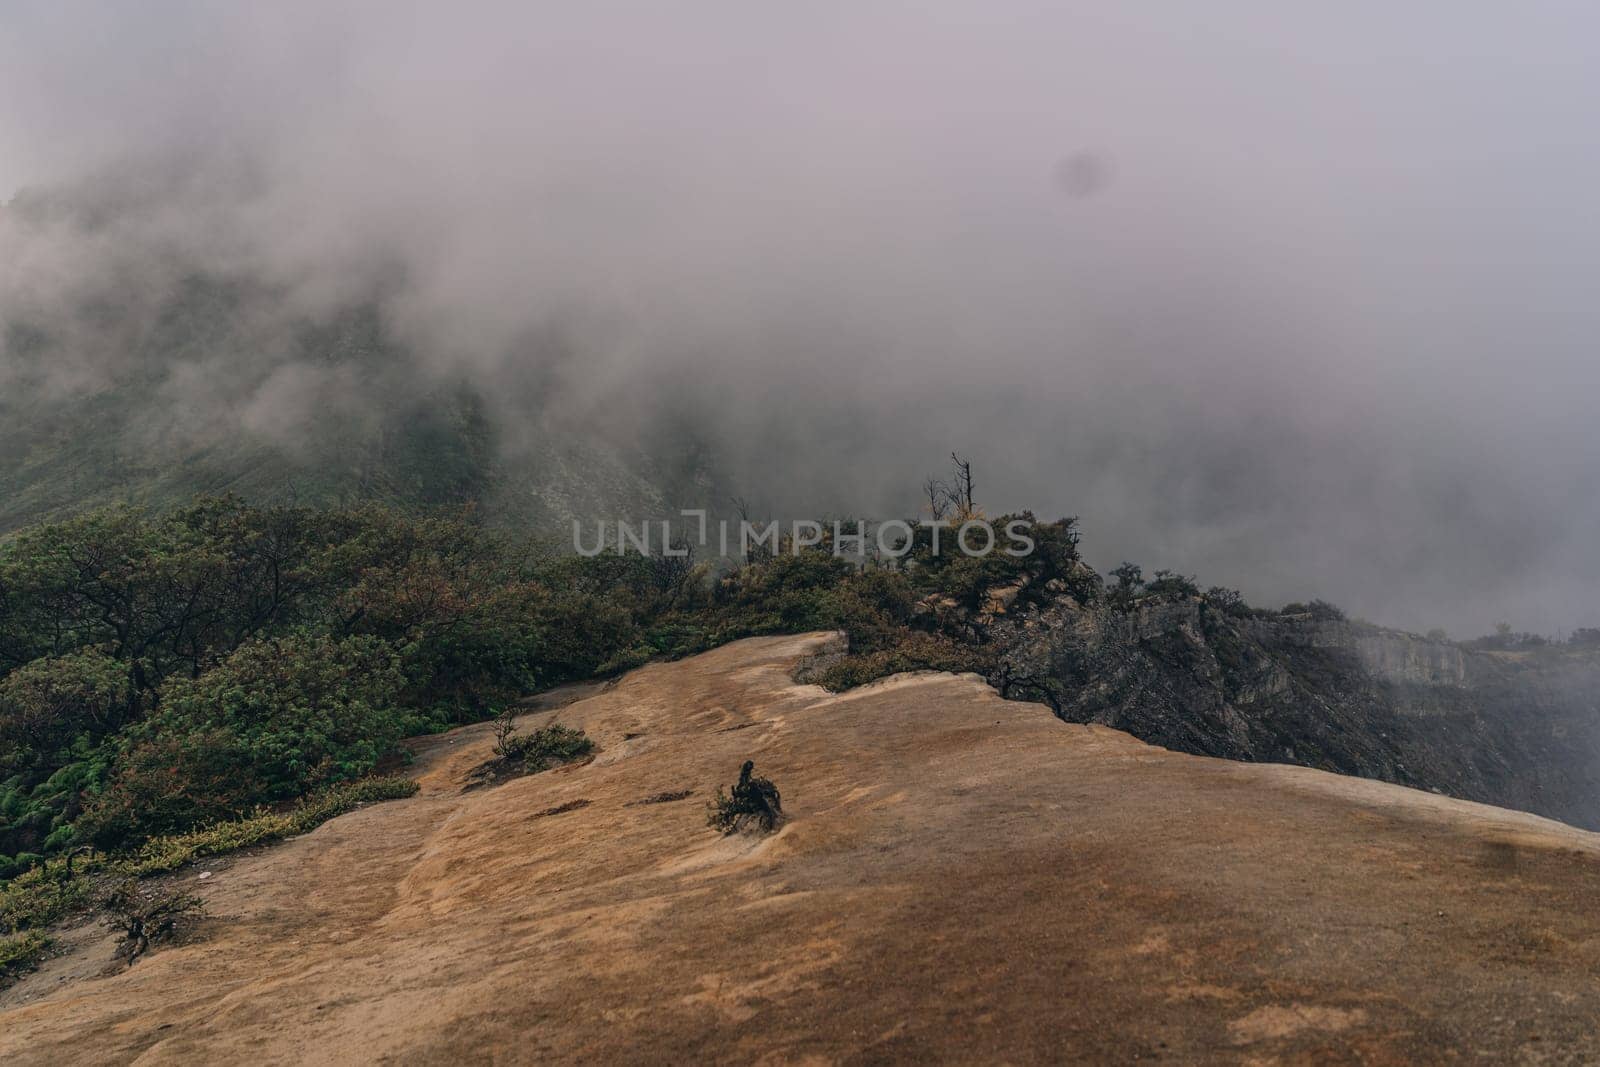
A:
1298	301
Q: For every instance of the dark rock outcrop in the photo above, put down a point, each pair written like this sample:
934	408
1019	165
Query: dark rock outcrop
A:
1519	730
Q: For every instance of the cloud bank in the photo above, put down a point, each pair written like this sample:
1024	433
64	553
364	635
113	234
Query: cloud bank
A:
1297	301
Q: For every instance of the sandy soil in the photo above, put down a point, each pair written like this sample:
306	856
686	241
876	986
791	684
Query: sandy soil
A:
960	879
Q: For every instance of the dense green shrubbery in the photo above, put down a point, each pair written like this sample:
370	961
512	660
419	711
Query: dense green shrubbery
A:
161	674
275	719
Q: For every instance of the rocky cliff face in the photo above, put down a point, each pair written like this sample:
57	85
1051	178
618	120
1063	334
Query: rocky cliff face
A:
1518	730
1390	656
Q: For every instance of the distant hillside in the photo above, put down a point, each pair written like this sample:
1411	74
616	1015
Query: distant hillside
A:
133	373
430	447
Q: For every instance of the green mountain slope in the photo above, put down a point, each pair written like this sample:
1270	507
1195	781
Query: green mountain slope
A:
337	414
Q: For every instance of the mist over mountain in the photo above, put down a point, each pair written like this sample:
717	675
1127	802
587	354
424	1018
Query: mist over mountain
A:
1294	301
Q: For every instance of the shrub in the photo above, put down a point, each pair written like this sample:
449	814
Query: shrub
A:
1171	584
576	634
1228	601
1130	582
170	782
505	728
22	953
872	608
751	801
546	746
48	704
917	652
54	714
1323	611
147	915
784	594
307	710
40	897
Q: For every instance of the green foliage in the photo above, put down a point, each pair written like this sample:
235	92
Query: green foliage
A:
276	719
546	746
872	608
49	704
915	652
61	887
307	710
1132	587
169	853
22	953
1505	639
163	673
170	781
787	593
1130	582
41	896
54	714
965	578
1323	611
1171	584
1228	601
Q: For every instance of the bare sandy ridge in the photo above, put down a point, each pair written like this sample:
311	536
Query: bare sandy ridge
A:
961	879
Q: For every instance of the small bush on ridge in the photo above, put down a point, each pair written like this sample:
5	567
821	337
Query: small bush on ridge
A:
752	800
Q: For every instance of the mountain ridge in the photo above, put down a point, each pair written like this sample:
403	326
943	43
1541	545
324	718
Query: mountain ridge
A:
960	876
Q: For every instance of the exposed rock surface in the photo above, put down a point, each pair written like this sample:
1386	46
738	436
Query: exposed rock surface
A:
960	879
1515	729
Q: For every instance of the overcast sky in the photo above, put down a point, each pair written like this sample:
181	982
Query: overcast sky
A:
1298	298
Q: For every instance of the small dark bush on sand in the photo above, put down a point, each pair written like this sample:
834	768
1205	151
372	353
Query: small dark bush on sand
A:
753	801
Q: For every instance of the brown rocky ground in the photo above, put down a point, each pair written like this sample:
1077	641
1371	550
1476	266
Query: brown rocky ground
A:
960	879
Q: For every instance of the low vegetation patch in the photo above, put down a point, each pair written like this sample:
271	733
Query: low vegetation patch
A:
169	853
45	895
516	754
81	882
752	802
914	652
146	915
545	747
21	953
